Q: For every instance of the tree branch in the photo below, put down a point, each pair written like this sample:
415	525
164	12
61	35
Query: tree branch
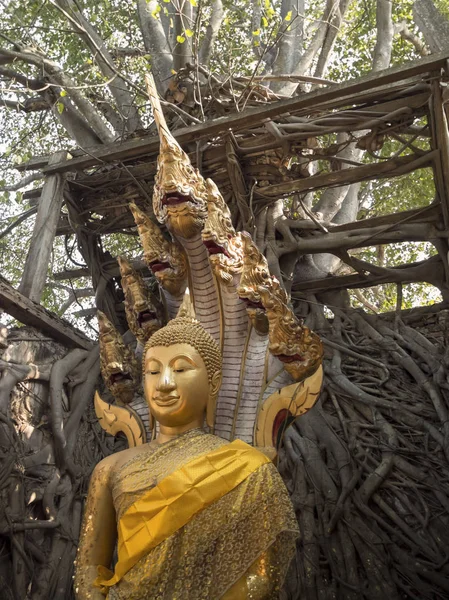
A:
156	43
95	43
59	78
405	33
331	36
22	183
216	19
182	53
291	42
303	64
385	31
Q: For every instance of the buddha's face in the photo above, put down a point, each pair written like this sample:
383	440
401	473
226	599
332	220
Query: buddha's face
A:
176	385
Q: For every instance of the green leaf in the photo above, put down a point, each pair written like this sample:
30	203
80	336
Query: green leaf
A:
288	16
180	39
63	93
193	3
60	107
264	22
256	32
188	33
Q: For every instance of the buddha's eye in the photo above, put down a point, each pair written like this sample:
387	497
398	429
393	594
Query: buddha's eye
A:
181	366
153	369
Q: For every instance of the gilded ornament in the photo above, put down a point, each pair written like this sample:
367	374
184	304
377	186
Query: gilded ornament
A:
116	419
179	193
165	259
294	344
143	310
224	245
280	409
119	367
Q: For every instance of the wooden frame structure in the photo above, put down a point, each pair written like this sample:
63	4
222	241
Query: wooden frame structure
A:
266	153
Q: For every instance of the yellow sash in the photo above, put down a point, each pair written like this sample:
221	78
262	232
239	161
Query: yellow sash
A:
171	504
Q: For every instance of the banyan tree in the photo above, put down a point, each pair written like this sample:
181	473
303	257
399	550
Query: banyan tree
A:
341	183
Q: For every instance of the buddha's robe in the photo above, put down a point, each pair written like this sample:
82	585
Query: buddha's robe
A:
206	544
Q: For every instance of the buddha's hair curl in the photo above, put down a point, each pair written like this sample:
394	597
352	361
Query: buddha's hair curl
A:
185	330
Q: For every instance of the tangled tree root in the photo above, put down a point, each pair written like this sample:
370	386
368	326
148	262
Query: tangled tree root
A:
368	468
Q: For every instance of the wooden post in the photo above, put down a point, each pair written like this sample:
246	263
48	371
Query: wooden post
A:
49	208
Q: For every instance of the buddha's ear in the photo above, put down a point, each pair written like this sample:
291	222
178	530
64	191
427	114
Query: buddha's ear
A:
212	403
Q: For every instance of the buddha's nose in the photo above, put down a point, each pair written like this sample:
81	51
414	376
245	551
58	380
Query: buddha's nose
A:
166	382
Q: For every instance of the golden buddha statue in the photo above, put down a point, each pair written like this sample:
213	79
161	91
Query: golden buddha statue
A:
197	517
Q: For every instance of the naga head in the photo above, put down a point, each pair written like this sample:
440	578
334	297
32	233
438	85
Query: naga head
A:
255	273
224	245
165	260
179	193
292	343
119	367
143	310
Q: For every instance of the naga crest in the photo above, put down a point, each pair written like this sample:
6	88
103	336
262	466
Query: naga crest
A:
119	367
165	260
292	343
224	245
179	193
143	310
256	275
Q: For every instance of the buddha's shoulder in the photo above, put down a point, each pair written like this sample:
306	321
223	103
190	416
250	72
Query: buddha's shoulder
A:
114	461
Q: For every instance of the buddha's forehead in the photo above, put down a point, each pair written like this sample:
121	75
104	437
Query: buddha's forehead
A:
166	354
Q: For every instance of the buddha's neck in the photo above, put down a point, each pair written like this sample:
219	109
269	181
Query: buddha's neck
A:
167	433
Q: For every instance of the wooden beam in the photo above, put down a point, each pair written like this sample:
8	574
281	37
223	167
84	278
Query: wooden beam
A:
30	313
427	214
392	167
440	131
38	257
247	118
430	271
110	269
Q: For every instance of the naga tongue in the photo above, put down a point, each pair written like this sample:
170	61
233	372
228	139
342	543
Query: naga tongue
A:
250	304
289	359
214	248
146	316
117	377
173	199
158	266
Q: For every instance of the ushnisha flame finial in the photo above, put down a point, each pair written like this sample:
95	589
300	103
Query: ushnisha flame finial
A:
187	309
165	259
179	194
118	364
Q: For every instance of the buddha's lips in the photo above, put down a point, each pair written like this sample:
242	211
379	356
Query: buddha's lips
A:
174	199
119	377
145	316
290	359
214	248
166	400
250	304
156	266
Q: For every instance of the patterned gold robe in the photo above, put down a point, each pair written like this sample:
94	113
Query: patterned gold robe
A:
253	524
